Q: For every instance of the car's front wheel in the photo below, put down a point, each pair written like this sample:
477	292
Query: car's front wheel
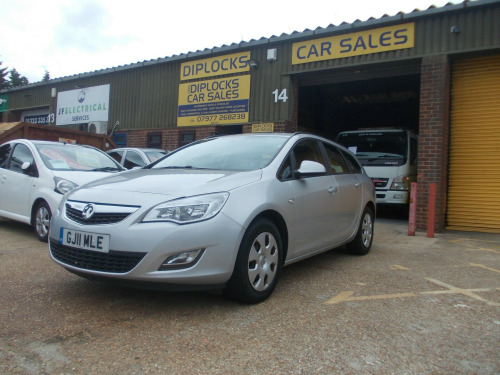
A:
42	221
258	263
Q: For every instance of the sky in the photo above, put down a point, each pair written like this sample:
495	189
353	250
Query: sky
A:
68	37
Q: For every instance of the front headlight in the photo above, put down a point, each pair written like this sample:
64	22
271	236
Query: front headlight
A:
400	183
63	185
188	210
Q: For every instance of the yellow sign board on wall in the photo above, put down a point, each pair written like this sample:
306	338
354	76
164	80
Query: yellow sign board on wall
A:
267	127
215	66
354	44
214	102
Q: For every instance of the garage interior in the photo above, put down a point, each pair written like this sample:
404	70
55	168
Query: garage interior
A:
384	96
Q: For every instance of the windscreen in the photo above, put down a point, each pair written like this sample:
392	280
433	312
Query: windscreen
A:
65	157
246	152
154	155
377	148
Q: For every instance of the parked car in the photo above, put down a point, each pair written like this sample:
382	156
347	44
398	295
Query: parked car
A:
221	213
131	157
34	176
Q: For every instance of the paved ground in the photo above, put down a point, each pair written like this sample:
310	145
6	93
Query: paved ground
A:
414	305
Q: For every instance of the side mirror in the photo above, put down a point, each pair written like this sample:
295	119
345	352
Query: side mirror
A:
310	168
29	169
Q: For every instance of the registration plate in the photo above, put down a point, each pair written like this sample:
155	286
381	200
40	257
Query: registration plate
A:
84	240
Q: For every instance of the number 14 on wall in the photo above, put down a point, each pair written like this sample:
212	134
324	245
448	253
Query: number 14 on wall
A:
280	96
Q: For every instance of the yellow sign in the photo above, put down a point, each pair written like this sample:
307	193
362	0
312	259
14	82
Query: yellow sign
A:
355	44
267	127
214	102
215	66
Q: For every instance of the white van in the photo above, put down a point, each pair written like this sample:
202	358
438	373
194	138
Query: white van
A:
389	157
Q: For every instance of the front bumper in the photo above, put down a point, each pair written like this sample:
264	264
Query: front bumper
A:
137	251
391	196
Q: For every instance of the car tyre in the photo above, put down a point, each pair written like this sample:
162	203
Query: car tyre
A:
364	237
41	223
258	263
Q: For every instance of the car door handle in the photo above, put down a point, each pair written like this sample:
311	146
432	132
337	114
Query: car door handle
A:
4	178
333	189
357	184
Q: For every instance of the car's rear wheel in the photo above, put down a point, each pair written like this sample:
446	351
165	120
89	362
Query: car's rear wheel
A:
258	263
42	221
364	237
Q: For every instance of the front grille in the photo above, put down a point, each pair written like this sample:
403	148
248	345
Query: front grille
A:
97	219
113	262
97	213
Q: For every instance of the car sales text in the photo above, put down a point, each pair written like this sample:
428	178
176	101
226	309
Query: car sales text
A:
209	91
354	44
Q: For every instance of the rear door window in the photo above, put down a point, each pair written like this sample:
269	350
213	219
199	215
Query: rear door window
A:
354	166
337	162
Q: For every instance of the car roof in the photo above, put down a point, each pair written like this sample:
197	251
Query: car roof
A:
375	130
137	148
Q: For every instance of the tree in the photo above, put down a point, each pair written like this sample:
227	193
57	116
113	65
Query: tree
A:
4	84
17	79
46	76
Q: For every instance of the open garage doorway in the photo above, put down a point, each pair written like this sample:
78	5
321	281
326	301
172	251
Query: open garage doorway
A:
383	97
329	103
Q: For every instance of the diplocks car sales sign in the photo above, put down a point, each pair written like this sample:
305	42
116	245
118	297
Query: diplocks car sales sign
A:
83	105
215	101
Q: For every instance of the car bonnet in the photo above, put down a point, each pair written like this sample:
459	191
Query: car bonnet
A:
135	186
79	177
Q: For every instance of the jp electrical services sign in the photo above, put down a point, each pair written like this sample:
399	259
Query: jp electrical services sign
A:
216	66
4	102
214	102
83	105
354	44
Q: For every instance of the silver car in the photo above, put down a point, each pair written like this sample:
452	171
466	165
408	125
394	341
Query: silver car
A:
223	213
131	157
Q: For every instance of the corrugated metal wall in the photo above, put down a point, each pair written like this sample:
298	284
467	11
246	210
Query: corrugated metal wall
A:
474	173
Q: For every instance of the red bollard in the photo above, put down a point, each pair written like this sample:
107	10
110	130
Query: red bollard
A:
413	209
431	211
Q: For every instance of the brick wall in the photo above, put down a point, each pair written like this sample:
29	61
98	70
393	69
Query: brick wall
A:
294	123
170	137
433	138
9	116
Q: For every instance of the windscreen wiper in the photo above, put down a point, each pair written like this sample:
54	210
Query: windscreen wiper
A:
105	169
182	167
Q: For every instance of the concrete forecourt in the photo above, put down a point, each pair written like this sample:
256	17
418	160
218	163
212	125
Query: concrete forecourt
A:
413	305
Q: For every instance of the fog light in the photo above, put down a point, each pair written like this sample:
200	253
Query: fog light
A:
398	196
181	260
